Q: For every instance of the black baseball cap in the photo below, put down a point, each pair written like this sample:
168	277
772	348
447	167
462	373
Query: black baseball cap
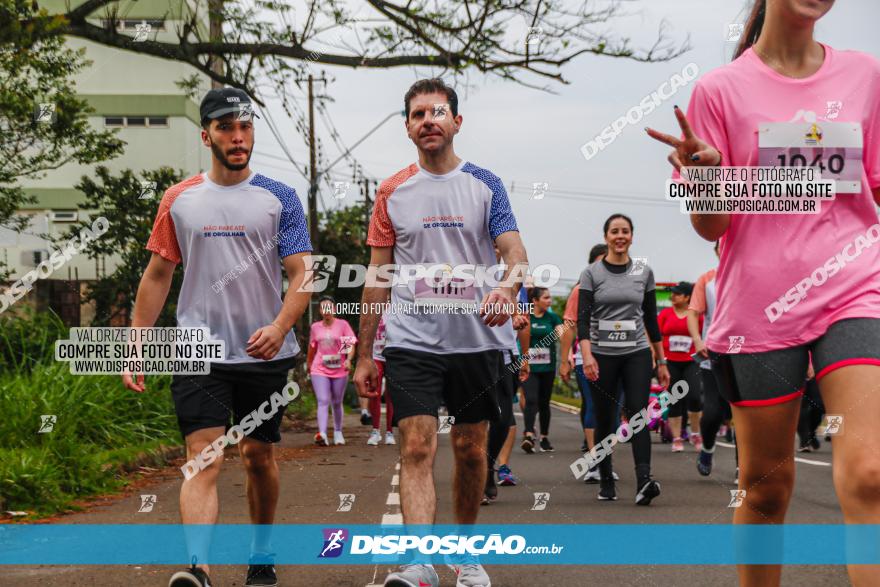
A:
684	288
222	101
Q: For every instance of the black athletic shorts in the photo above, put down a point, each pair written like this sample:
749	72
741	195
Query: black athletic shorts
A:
774	377
230	392
466	383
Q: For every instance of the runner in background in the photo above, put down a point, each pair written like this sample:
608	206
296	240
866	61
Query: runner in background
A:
505	476
716	410
376	402
440	212
571	350
546	327
678	346
767	108
331	351
516	369
502	432
260	343
616	308
812	412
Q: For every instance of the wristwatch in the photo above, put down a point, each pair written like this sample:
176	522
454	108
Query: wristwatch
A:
662	361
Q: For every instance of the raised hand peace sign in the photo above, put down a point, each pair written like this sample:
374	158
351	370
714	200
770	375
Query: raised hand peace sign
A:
689	151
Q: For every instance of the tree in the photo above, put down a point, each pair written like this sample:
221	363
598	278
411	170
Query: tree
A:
271	40
344	235
42	122
129	202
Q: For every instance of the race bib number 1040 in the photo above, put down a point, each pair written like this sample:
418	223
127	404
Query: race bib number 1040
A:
834	148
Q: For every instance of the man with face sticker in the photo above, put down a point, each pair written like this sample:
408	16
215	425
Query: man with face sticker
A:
445	342
232	229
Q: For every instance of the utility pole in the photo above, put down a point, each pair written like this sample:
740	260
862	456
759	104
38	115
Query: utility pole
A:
313	166
368	203
313	172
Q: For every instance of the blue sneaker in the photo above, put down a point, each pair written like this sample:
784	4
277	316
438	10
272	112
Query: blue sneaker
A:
505	477
704	463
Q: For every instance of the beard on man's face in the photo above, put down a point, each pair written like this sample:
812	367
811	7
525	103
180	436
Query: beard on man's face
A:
224	159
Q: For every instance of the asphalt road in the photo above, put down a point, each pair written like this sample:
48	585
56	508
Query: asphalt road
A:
313	478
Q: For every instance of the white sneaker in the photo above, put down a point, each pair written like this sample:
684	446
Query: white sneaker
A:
413	576
389	438
337	437
471	575
374	438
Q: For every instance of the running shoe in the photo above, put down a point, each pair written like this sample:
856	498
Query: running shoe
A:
471	575
704	463
814	442
338	438
389	438
805	447
192	577
366	418
491	489
665	434
545	445
413	576
677	445
528	444
262	576
592	477
697	441
584	447
607	491
321	439
650	489
375	437
722	431
505	477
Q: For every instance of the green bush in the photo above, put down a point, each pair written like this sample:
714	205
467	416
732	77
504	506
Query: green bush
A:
27	338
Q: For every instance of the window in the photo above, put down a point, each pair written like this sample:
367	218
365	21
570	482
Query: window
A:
136	121
156	24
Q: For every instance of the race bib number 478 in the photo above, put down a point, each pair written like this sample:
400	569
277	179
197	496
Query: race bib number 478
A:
834	148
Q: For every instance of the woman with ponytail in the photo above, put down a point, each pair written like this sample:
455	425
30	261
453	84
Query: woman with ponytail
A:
795	287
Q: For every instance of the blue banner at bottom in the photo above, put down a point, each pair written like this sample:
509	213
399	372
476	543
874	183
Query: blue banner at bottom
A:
571	544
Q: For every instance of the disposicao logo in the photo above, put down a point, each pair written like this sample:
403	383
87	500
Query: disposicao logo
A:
334	542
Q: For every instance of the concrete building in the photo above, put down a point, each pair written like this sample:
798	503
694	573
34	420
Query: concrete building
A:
136	95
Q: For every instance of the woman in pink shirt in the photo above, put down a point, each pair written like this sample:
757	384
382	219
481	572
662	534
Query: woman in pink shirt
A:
331	350
791	286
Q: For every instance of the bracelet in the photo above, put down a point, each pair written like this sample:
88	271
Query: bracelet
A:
281	330
662	361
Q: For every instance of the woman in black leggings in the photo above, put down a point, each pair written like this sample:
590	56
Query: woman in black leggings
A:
546	328
616	307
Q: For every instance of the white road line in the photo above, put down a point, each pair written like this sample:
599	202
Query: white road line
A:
393	515
810	462
564	407
797	459
392	519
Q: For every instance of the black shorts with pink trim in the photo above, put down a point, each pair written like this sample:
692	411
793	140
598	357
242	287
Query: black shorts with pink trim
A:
774	377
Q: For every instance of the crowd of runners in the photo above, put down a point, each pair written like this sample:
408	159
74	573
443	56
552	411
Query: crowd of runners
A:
747	376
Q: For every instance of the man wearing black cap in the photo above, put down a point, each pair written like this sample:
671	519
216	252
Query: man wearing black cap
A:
229	227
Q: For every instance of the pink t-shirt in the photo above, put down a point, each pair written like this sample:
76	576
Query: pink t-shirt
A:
332	344
765	257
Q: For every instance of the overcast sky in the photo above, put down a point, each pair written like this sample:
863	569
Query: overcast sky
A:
526	136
